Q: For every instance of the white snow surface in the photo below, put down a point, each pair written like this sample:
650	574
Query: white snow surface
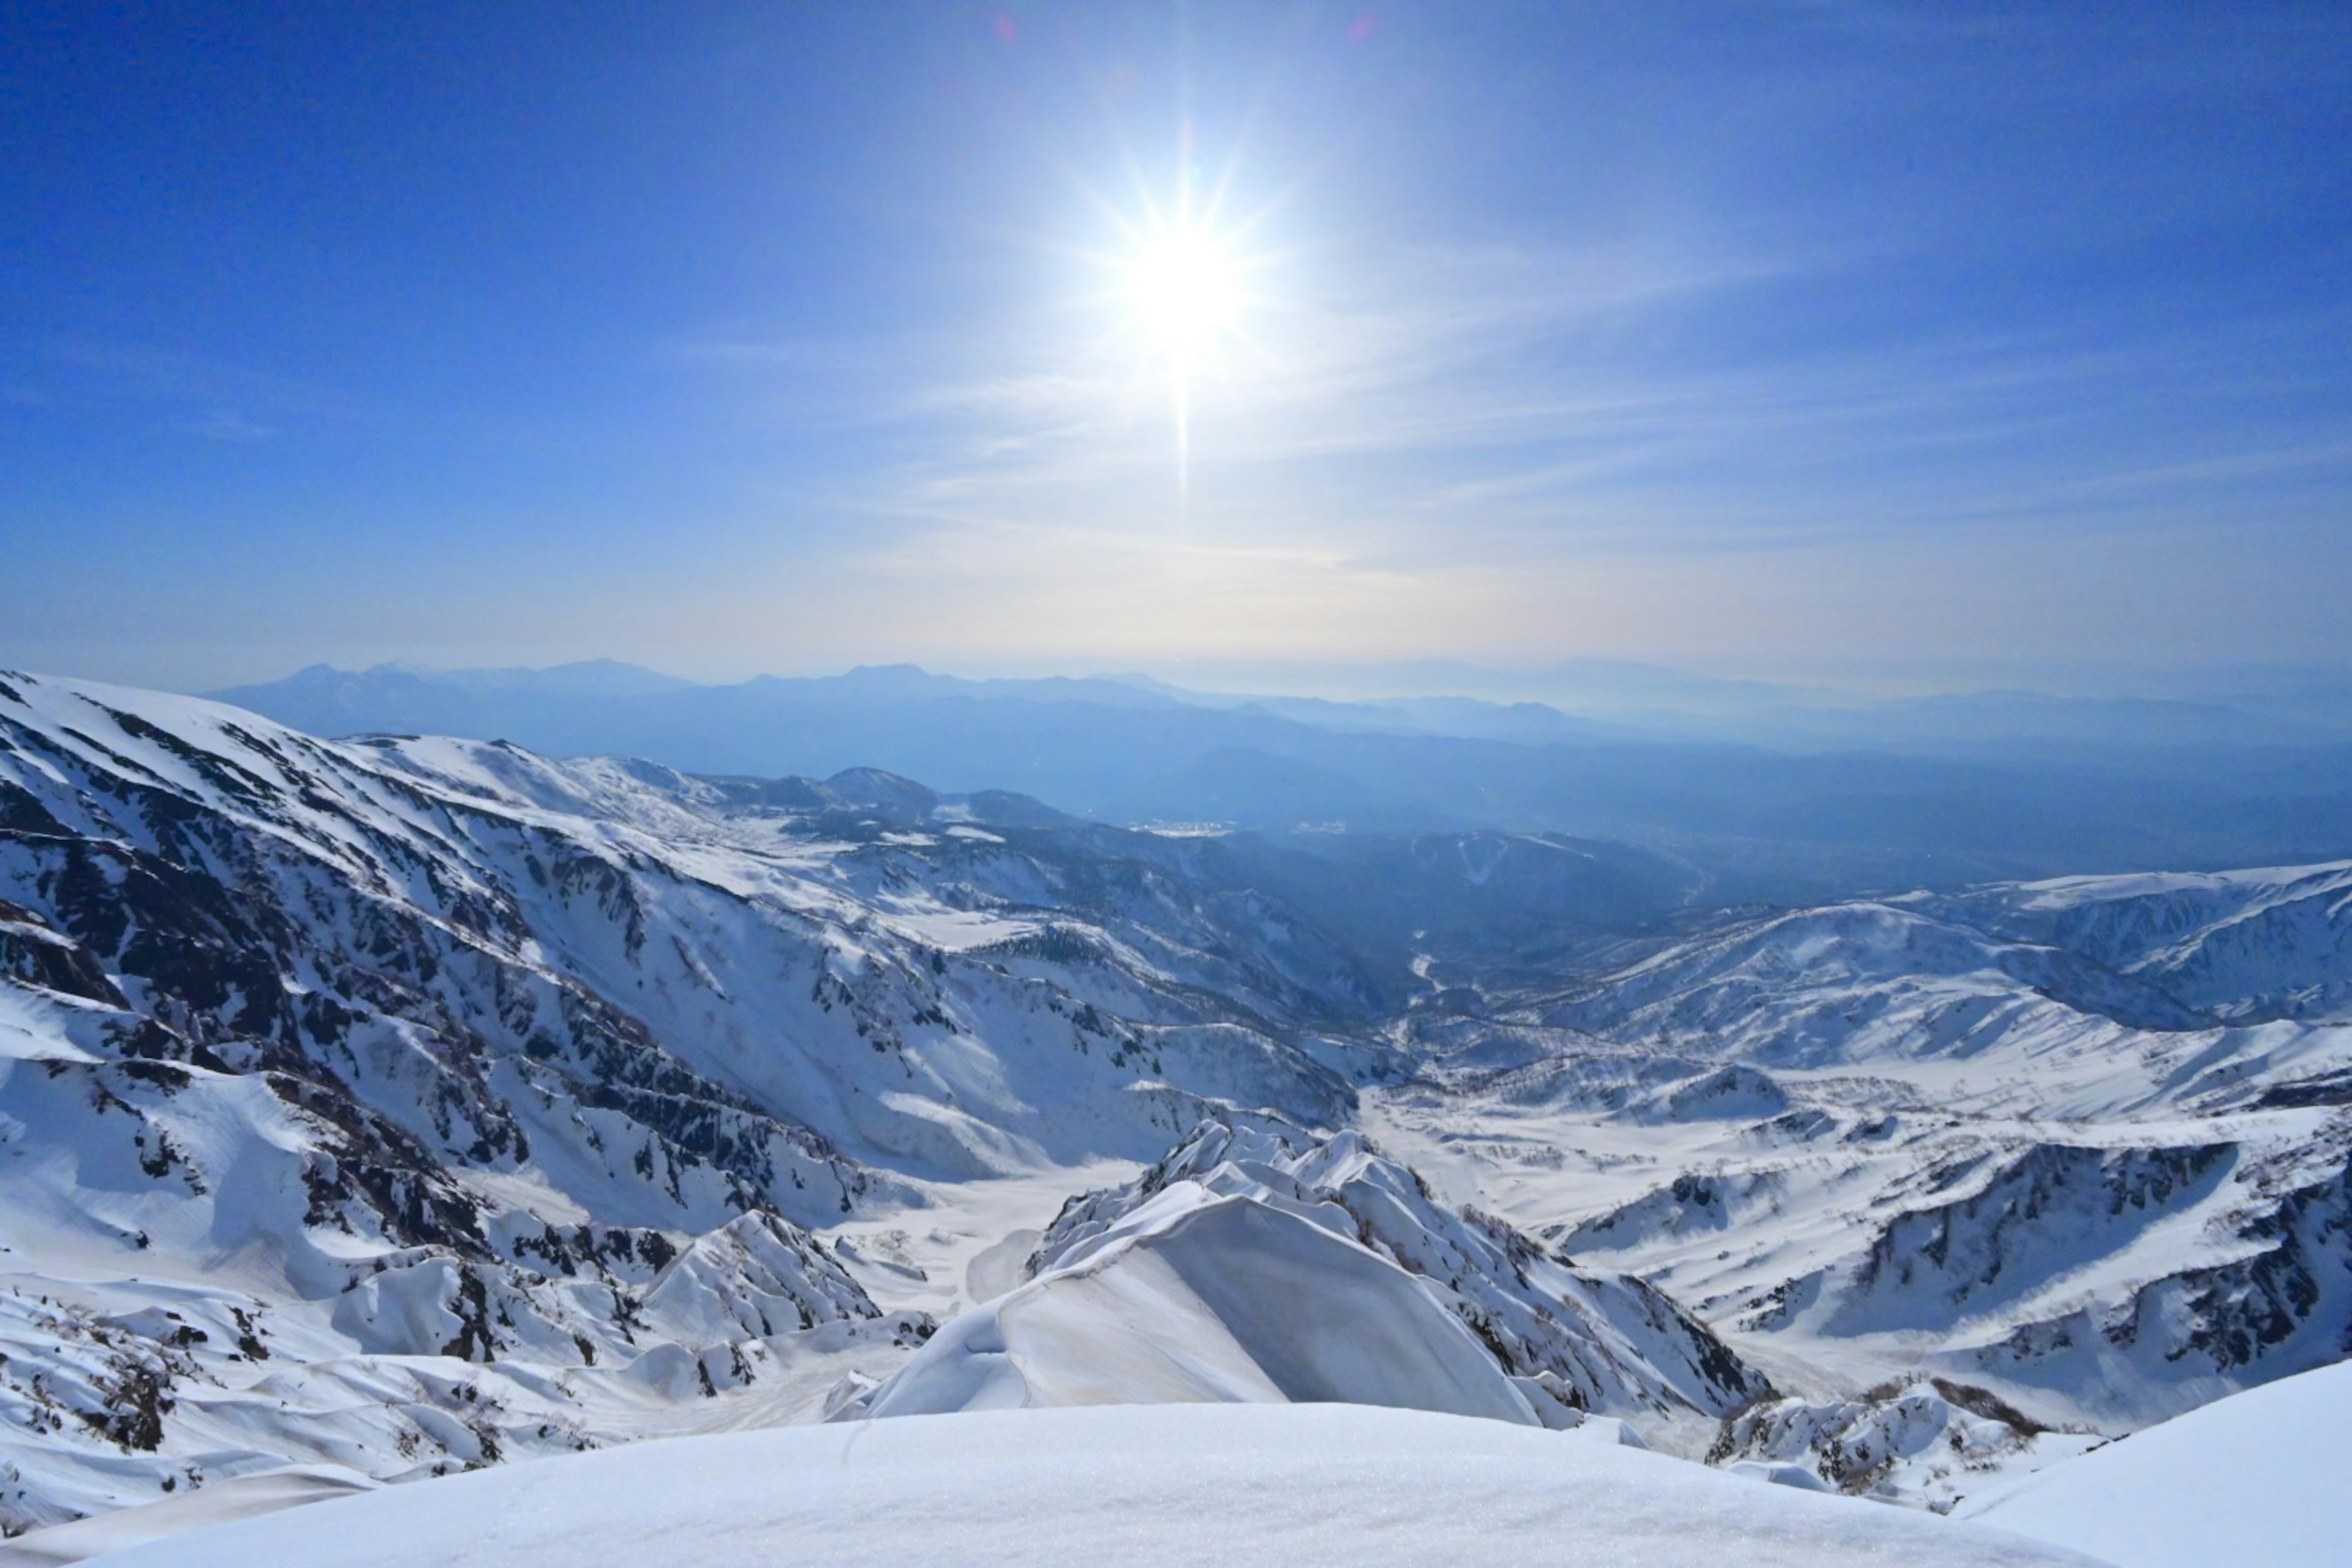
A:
1136	1486
1244	1268
2256	1477
1878	1144
1210	1298
2271	943
246	1497
415	1105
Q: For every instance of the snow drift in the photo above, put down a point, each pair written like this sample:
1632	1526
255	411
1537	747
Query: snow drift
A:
1077	1488
2257	1477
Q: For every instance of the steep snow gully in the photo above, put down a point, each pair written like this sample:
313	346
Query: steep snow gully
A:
387	1108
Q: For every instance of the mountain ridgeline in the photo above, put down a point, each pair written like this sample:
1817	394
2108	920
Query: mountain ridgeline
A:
389	1053
1769	795
402	1104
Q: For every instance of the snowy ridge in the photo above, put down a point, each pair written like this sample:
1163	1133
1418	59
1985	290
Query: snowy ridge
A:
1969	1196
1590	1340
1186	1307
1219	1249
2250	946
380	1109
407	1105
1856	982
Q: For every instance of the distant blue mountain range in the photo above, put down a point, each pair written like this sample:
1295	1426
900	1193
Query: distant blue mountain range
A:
1777	794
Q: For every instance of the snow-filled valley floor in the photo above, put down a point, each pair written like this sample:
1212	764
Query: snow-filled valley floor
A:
379	1109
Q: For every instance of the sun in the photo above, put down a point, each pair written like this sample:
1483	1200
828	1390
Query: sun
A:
1184	277
1184	286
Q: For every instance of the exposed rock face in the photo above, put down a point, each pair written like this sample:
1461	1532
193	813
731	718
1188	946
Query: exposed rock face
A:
2267	1290
1926	1440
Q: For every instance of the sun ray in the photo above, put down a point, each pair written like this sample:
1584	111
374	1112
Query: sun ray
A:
1184	284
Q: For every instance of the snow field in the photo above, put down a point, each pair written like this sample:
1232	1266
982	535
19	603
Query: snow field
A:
1315	1486
2258	1477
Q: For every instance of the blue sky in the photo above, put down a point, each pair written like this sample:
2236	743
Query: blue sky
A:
2001	341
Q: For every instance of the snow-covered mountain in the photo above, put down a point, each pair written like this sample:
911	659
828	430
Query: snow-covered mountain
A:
1796	798
1968	1193
2243	945
375	1109
1186	1284
339	1074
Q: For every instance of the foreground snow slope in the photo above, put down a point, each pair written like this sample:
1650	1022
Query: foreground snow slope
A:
243	1497
2255	1477
1136	1486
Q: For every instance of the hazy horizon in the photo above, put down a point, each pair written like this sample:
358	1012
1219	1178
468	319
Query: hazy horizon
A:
1597	686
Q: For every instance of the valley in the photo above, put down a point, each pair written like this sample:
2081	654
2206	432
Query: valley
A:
384	1108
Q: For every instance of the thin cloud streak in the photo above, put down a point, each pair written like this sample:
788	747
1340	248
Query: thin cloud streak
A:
1520	457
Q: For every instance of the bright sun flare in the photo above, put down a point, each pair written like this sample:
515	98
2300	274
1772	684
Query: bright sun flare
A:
1185	295
1185	290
